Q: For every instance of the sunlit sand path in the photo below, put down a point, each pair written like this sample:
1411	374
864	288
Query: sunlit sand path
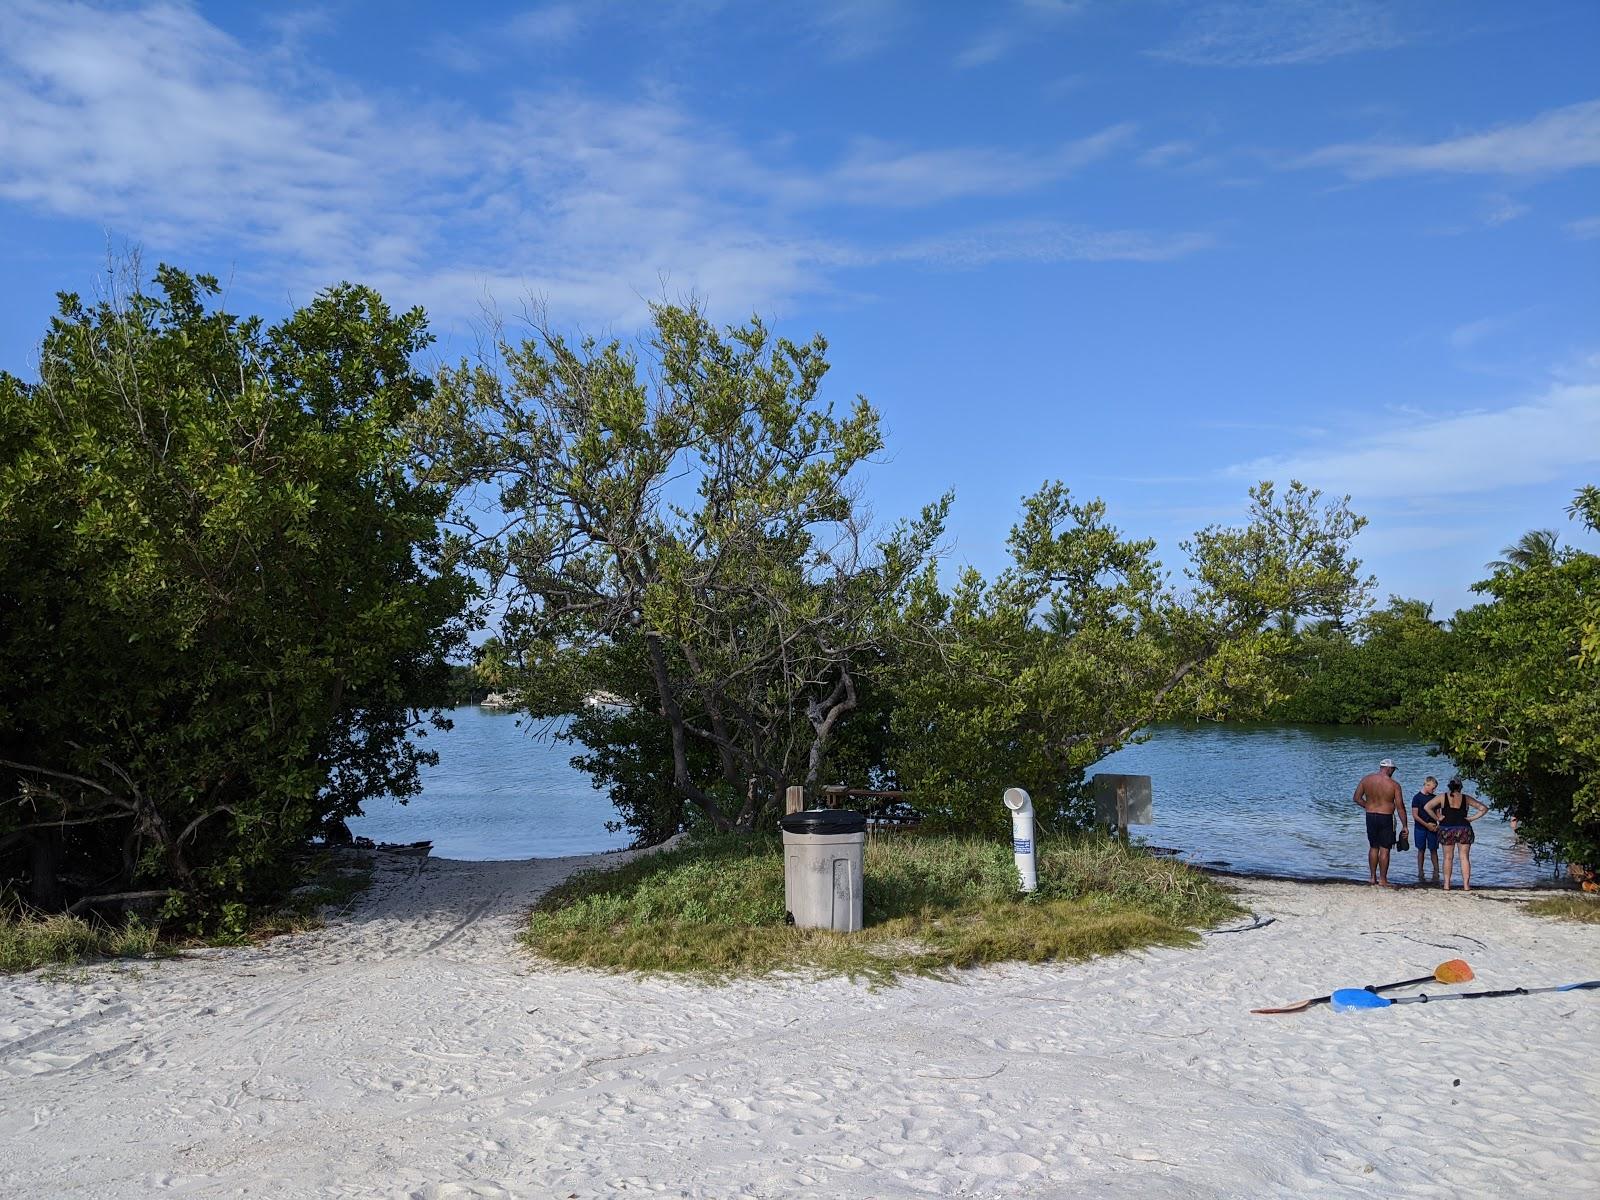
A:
411	1049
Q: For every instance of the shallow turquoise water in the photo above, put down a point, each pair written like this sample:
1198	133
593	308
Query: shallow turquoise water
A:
1276	799
1258	799
500	791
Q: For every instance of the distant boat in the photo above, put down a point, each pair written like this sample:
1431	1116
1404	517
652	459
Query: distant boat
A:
592	700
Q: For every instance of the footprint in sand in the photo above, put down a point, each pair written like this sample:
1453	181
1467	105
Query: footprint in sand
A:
476	1190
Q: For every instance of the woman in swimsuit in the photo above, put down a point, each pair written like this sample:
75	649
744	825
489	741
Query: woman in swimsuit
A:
1454	814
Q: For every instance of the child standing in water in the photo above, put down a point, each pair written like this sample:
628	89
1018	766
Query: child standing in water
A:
1427	831
1454	812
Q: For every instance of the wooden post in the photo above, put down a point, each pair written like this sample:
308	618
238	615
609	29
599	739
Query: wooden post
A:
794	799
1122	812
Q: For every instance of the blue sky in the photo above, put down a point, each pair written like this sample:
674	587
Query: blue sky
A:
1156	249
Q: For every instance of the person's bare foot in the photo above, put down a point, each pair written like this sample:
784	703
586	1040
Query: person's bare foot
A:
1466	887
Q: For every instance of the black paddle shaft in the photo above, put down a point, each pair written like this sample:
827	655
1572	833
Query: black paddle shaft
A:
1389	987
1424	998
1375	988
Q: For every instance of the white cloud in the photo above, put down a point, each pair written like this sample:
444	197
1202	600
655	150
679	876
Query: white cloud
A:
294	26
1028	19
1558	140
1585	228
1054	9
472	48
551	23
1168	154
1465	336
113	114
850	29
1535	441
988	48
161	126
1281	33
875	173
1503	210
1046	242
1064	85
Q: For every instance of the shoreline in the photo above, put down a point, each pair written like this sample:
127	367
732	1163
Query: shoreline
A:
1552	885
413	1048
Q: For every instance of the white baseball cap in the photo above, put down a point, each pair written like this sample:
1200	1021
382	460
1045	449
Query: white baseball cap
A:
1388	762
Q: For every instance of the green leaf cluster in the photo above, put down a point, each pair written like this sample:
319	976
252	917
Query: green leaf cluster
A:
677	531
1375	671
1037	674
1522	715
223	593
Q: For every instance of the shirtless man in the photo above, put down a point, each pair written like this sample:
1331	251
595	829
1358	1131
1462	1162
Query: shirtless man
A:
1379	796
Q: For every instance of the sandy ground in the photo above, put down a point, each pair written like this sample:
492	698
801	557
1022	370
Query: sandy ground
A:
411	1049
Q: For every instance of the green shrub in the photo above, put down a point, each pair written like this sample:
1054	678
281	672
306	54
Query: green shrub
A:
226	595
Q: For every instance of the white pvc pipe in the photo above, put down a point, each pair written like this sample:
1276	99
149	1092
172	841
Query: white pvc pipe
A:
1021	806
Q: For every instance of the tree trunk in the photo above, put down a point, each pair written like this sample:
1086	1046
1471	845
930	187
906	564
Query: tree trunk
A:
680	747
824	716
44	885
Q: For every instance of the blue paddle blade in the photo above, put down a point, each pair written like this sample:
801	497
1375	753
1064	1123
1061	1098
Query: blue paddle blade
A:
1346	999
1576	987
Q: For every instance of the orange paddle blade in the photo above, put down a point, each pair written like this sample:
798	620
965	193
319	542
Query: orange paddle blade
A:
1287	1008
1454	971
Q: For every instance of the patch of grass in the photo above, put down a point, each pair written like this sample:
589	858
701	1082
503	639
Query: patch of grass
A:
28	941
714	908
1583	909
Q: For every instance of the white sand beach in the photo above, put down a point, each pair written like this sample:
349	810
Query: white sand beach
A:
412	1049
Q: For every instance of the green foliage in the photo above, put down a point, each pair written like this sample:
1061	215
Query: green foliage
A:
331	879
682	535
28	941
1523	715
223	591
714	907
1586	507
1374	673
1031	678
465	687
1536	548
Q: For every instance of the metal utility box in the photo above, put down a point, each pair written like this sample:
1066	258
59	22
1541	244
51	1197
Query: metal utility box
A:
1122	800
823	850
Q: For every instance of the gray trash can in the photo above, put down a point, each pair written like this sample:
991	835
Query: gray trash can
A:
822	853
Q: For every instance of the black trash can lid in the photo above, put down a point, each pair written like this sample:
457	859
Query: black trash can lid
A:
824	820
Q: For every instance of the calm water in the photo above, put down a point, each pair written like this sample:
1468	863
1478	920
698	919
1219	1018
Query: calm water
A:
1265	799
1275	799
498	792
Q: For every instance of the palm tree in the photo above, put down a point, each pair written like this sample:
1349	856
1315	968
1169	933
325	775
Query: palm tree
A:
1060	622
1536	548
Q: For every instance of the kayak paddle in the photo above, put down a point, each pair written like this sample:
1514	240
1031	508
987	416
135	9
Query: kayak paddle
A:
1454	971
1347	999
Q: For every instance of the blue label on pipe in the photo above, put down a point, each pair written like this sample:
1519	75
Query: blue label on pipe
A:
1022	845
